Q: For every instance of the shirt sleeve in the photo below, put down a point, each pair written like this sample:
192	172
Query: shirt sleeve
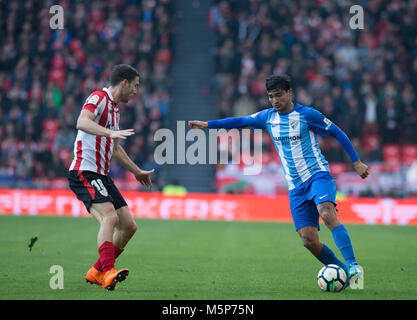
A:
344	142
323	126
318	122
254	121
258	120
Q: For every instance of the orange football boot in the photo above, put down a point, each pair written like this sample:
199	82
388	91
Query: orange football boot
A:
94	276
112	277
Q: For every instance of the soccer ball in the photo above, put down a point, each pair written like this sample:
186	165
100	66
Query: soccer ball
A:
331	278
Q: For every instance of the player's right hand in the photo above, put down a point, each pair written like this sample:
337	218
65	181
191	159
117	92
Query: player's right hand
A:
121	134
195	124
361	169
144	177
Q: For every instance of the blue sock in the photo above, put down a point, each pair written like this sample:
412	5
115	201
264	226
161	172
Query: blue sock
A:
342	240
327	256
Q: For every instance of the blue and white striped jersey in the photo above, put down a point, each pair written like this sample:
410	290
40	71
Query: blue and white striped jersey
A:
295	138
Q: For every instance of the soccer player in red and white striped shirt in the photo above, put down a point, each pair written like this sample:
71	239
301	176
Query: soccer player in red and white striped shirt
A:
96	144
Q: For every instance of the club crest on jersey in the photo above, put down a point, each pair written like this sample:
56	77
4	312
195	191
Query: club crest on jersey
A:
293	123
93	99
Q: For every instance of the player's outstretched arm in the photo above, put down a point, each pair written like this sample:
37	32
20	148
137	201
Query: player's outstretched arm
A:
256	120
143	176
86	123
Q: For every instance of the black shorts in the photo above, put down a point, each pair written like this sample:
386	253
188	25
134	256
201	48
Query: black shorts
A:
92	187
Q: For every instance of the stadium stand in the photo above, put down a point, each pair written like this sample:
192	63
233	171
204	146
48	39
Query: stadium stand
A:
361	79
46	75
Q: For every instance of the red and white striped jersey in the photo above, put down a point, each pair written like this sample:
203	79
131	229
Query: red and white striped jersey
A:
91	152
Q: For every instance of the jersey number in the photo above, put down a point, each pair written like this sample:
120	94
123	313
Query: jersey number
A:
98	184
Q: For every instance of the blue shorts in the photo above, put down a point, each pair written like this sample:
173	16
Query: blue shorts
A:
320	187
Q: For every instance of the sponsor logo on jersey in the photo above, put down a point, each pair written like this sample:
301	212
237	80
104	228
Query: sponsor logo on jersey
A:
288	139
109	126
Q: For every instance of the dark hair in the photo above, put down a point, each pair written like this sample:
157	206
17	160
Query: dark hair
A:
282	82
121	72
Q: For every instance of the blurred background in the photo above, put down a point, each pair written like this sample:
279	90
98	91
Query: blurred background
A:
206	60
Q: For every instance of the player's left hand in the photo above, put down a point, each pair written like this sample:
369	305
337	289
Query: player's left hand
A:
196	124
361	169
144	177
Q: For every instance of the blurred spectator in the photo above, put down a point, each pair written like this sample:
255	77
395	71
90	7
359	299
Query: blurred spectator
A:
375	152
64	139
390	116
46	75
409	124
244	106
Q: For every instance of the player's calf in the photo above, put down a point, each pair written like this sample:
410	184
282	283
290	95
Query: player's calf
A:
313	246
310	239
126	227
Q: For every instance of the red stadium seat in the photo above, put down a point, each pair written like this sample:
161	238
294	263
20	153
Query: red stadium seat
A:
392	157
370	141
409	154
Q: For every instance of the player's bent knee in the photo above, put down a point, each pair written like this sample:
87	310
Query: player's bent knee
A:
111	218
132	228
326	211
309	243
308	237
327	216
128	227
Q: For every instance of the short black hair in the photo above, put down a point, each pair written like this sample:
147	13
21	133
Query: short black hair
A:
281	82
121	72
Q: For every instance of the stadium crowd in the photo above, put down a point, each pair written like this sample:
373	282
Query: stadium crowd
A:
365	80
46	75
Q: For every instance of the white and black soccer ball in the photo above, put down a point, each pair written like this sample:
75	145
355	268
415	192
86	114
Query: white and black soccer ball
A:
331	278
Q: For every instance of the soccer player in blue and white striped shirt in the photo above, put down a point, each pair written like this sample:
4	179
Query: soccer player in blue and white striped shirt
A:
312	191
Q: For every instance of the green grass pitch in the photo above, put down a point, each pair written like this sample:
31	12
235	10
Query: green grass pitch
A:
199	260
